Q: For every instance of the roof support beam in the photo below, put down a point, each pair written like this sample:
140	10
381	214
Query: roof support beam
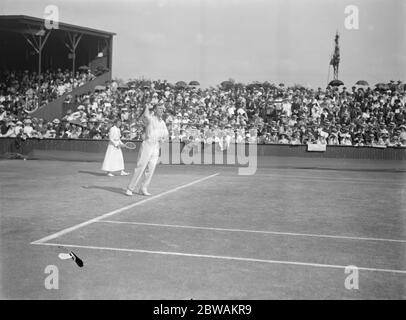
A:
71	44
37	44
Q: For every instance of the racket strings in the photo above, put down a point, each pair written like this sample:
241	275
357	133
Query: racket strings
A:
130	145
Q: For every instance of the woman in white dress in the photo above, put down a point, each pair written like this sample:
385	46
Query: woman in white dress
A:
113	160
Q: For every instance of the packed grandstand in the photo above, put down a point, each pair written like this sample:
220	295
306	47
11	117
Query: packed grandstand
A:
360	115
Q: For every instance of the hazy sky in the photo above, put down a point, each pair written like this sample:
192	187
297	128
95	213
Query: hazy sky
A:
210	41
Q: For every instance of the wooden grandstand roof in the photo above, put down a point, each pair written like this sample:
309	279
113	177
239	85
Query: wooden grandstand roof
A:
19	23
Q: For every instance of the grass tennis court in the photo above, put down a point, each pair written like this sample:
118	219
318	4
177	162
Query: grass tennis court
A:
286	232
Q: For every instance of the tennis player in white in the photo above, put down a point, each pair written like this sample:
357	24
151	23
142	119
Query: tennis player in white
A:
155	133
113	159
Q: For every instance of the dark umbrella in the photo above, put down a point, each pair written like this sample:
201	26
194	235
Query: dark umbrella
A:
362	83
336	83
194	83
182	84
382	86
226	84
298	87
267	84
146	84
281	84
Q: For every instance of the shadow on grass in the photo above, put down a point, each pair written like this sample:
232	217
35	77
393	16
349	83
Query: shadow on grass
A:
99	174
110	189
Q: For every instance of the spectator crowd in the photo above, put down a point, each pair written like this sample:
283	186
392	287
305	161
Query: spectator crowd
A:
24	91
230	112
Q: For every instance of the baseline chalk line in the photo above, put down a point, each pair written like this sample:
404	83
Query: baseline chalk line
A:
296	263
253	231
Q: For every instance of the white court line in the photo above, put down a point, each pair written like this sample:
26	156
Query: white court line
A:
307	264
253	231
331	179
83	224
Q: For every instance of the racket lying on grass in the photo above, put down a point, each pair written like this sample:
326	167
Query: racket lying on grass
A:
70	255
130	145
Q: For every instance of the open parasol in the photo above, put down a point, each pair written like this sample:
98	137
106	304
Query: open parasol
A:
336	83
362	83
181	84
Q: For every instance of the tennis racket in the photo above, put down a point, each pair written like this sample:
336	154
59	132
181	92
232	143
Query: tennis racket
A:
70	255
130	145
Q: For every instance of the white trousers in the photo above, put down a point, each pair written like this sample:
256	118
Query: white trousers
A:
148	157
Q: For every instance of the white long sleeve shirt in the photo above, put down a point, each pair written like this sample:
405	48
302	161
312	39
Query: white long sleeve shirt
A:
114	136
156	129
